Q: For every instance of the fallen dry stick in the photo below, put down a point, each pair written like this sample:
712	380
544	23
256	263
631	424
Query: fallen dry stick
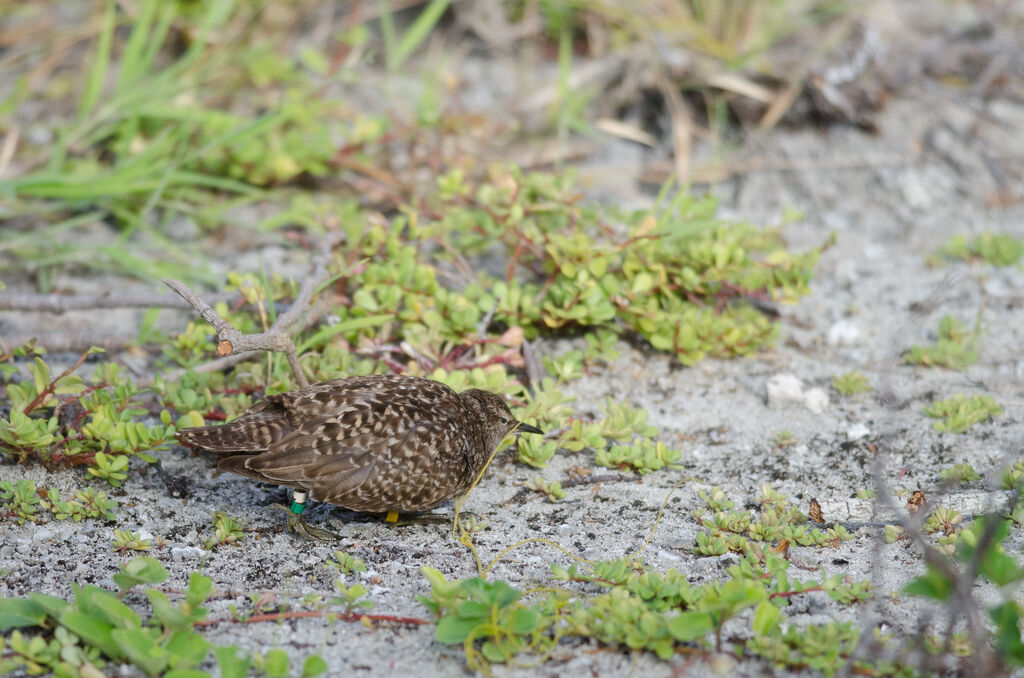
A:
62	303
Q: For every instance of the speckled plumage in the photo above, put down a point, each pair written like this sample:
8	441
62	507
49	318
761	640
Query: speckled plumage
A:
375	443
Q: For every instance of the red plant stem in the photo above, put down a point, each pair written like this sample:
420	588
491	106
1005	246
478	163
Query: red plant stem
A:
787	594
344	616
48	391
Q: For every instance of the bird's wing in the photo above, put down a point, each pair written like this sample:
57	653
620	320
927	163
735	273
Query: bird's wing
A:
362	467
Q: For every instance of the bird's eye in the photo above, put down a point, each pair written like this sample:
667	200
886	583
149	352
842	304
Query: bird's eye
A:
504	420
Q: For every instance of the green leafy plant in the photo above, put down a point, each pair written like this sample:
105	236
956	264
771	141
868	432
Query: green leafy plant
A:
979	554
475	610
126	540
643	456
943	519
346	564
893	533
277	664
103	437
961	412
20	500
226	530
96	628
995	249
87	503
851	383
960	473
783	439
624	605
956	347
1013	476
552	489
350	597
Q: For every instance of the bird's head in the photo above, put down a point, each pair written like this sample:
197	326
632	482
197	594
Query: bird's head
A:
498	419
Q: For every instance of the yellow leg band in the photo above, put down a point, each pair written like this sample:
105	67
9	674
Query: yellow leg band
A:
392	517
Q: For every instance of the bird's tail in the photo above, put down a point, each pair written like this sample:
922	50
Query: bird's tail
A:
238	436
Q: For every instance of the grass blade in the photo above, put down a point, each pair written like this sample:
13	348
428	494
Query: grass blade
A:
132	64
325	333
417	33
100	63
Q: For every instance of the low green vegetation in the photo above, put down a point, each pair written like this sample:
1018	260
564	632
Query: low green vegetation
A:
961	412
623	604
956	347
991	248
959	473
776	522
979	555
126	540
226	530
552	489
1013	476
851	383
345	563
97	630
784	438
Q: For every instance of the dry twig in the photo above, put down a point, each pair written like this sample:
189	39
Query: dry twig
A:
61	303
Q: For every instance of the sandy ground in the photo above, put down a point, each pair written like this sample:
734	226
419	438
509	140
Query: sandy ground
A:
891	199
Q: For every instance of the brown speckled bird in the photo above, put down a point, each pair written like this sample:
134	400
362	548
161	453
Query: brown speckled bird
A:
378	443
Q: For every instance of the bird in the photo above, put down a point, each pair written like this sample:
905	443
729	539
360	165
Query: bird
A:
374	444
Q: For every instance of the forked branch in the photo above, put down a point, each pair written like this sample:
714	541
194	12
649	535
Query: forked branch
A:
230	341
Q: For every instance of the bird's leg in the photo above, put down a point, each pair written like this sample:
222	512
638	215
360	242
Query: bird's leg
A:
300	526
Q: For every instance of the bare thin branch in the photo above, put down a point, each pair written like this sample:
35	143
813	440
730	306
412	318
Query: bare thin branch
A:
62	303
78	340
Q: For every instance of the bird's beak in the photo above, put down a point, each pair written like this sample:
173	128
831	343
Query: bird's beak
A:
526	428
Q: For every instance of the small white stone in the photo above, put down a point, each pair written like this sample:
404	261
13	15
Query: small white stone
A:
179	553
787	388
784	387
42	534
816	400
857	431
844	332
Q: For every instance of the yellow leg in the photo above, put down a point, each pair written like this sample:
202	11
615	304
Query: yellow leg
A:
392	517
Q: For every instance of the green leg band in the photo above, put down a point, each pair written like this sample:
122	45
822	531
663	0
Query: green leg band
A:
298	507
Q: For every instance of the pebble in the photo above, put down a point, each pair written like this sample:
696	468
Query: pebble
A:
843	332
783	388
42	534
180	553
857	431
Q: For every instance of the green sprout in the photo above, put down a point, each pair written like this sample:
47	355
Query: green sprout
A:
226	530
126	540
997	250
552	489
961	412
956	347
345	563
851	383
960	473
